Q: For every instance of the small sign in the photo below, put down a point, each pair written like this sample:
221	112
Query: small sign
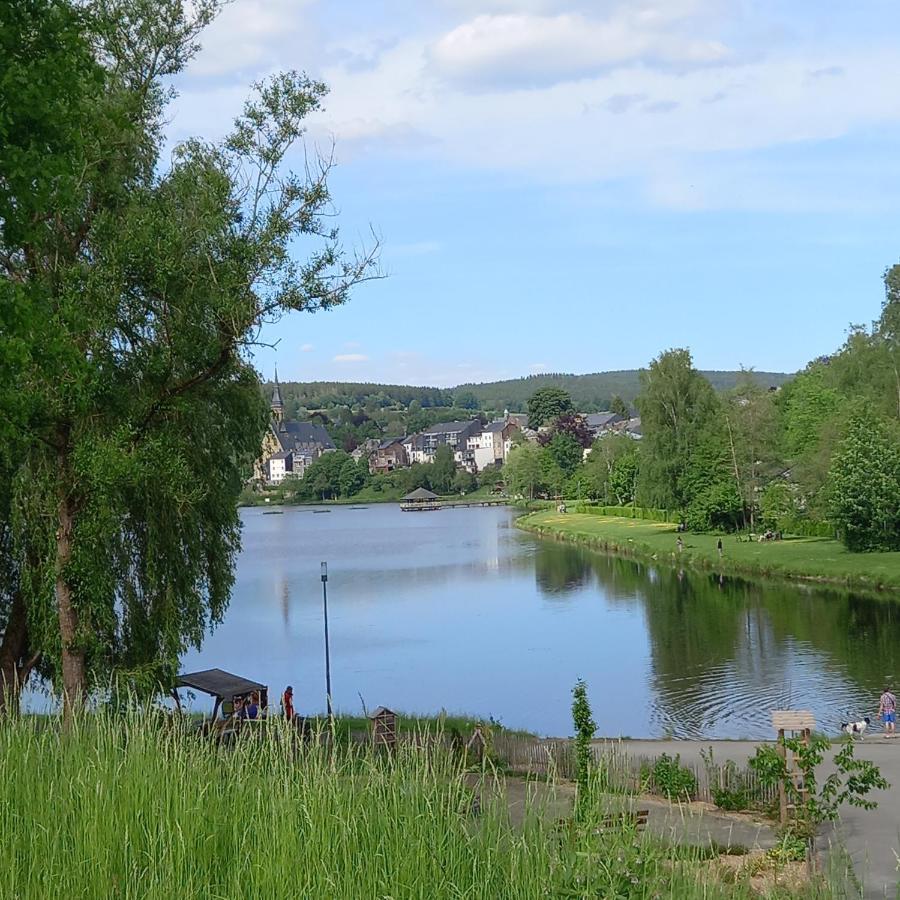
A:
793	720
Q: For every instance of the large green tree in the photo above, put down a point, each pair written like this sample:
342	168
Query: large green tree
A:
133	289
676	405
864	485
548	404
443	470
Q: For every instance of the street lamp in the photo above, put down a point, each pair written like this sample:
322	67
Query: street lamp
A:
327	656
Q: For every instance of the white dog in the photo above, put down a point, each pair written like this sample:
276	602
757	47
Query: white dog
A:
856	729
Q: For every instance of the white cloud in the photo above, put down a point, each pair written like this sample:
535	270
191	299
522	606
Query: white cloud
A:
350	358
307	348
244	35
519	49
446	88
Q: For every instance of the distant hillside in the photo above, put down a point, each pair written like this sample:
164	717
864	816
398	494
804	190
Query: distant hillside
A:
591	392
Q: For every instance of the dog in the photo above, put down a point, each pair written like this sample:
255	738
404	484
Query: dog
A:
856	729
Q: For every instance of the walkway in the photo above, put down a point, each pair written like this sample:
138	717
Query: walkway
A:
872	838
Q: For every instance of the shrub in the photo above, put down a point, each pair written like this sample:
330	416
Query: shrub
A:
673	780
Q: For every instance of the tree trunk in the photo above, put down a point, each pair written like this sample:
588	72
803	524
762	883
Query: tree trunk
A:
73	668
15	662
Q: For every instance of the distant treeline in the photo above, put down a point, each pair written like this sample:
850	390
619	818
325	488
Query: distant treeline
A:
592	393
589	393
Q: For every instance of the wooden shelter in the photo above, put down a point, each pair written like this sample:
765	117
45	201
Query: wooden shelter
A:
419	500
384	727
224	686
792	721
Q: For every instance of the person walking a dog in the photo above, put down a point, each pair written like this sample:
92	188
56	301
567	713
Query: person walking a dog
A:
887	709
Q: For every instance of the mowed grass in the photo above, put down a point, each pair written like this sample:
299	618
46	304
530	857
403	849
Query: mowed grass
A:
795	557
136	807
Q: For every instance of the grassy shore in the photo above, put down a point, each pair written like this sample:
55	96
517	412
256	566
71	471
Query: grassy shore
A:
138	807
811	559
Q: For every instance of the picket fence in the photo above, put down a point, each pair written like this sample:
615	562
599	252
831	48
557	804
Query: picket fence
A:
623	770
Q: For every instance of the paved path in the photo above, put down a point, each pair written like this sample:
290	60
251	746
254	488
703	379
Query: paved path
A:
872	838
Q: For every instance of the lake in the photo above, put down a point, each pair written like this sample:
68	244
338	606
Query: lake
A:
459	610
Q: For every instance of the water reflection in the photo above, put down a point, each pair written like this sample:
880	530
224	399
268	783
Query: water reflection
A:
460	610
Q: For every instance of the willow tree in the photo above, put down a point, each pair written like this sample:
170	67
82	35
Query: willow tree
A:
134	289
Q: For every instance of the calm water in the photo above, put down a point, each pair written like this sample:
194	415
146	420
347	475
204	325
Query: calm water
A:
459	610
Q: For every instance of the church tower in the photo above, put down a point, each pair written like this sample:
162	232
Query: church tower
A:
277	402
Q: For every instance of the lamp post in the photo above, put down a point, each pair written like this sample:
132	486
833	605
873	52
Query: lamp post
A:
327	655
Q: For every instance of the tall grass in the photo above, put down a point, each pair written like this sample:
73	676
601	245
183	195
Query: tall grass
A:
127	807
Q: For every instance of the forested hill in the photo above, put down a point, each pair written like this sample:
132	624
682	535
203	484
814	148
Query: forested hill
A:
589	393
592	392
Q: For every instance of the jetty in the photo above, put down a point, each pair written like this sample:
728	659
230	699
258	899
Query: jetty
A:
422	500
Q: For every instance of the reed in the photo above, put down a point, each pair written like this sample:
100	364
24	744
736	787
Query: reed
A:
129	806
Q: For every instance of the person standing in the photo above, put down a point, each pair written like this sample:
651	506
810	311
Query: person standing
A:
719	548
287	703
887	709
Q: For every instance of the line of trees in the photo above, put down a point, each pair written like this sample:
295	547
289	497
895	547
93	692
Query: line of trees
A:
824	449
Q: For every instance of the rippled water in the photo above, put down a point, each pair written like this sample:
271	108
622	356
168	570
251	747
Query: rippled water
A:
459	610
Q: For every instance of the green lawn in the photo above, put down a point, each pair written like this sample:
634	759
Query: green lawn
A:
795	557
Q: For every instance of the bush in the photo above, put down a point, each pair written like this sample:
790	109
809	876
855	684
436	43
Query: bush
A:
673	780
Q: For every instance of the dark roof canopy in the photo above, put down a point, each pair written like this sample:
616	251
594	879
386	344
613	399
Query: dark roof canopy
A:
300	435
421	494
219	683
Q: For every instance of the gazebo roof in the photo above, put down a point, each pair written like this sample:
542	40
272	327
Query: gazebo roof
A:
421	494
219	683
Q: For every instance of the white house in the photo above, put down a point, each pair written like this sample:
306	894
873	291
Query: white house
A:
421	447
492	444
278	465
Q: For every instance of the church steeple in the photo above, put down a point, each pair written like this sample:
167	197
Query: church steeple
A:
277	402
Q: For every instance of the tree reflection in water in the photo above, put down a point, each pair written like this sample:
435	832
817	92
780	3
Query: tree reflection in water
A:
726	651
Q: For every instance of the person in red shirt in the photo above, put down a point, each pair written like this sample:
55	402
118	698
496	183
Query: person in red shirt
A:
287	703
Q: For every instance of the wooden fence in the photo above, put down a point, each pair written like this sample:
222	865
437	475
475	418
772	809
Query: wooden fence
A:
626	771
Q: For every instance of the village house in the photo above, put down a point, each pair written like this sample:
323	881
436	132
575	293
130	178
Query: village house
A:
491	445
278	465
422	447
602	422
388	456
292	446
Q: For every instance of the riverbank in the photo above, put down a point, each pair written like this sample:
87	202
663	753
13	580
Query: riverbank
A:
798	558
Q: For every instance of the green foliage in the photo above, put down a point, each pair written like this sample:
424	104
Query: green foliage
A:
463	482
808	405
548	404
524	471
352	477
777	505
132	290
852	782
728	786
565	451
619	406
671	779
137	805
585	728
676	405
443	470
864	485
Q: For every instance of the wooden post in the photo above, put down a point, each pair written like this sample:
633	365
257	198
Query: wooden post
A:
794	721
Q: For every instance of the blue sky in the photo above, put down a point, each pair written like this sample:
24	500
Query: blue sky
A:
570	186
